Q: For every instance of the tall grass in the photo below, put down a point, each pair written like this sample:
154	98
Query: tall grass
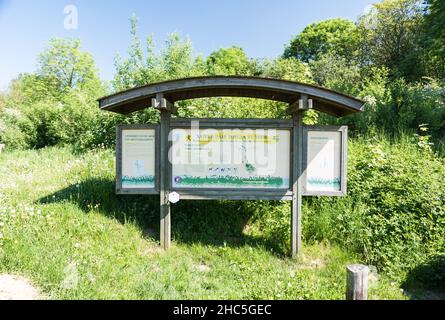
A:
63	227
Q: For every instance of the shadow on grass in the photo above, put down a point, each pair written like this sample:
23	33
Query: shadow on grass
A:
427	281
212	223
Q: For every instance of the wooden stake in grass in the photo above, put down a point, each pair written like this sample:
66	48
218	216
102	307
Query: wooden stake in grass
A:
357	282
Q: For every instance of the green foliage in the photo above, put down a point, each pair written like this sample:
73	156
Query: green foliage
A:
435	19
368	83
414	105
65	65
230	61
176	60
389	36
394	214
337	73
290	69
55	106
337	36
62	226
143	66
433	39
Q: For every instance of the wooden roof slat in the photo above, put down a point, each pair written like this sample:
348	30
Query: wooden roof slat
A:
325	100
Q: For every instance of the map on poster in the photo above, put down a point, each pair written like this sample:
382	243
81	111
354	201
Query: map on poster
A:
230	158
138	158
324	152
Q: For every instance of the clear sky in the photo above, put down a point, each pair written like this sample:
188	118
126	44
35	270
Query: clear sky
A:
261	27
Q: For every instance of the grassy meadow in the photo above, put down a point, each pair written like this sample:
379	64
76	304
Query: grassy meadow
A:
62	226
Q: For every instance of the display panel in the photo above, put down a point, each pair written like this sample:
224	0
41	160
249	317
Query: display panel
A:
136	165
325	161
230	158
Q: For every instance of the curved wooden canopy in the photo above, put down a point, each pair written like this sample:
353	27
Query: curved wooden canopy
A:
324	100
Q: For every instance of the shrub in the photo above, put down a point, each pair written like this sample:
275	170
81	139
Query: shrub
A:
394	213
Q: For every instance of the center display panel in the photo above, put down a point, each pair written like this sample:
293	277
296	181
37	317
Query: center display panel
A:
230	158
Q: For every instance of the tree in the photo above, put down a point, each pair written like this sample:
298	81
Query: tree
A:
435	20
66	66
334	35
230	61
143	66
389	36
287	69
55	105
337	73
434	38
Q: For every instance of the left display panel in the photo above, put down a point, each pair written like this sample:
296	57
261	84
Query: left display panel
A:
137	159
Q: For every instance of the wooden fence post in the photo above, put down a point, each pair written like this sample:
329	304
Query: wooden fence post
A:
357	282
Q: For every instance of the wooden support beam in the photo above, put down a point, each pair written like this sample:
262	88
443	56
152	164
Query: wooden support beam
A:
302	104
297	176
357	282
163	104
165	231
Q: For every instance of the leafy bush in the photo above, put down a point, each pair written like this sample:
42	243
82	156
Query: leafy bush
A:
415	104
394	213
13	128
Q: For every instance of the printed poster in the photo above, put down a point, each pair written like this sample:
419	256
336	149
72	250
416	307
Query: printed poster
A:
324	161
138	158
230	158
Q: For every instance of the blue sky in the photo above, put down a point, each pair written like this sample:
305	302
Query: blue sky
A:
261	27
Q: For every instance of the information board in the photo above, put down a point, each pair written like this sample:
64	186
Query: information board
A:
325	160
229	158
136	155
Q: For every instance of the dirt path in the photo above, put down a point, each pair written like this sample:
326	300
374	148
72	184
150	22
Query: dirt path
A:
17	288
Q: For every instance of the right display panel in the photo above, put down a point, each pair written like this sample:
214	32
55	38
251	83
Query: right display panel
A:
324	161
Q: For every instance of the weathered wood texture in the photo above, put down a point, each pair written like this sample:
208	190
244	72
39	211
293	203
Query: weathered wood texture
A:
297	169
324	100
232	123
357	282
165	227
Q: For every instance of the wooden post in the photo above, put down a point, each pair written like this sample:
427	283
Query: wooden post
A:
165	108
297	111
357	282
